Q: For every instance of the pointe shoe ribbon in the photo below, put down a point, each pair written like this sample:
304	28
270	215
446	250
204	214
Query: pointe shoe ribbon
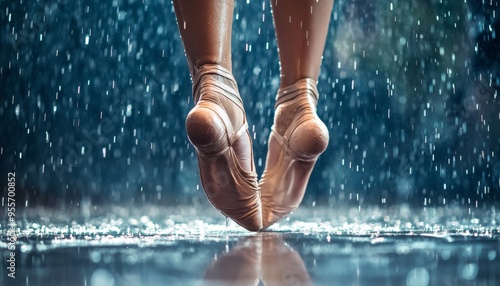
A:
231	189
291	156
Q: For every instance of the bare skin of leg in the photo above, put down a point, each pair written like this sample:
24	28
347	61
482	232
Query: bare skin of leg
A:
205	28
301	31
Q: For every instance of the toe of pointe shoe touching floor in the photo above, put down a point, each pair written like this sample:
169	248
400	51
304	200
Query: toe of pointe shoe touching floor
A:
217	128
297	138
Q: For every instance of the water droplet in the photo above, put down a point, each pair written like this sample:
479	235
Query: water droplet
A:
417	277
469	272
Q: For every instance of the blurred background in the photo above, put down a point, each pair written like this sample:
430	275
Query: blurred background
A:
94	94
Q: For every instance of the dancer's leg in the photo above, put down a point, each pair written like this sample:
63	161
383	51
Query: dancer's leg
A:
216	126
298	135
205	28
301	27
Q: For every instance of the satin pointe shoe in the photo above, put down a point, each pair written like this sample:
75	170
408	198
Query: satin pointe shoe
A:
297	138
214	127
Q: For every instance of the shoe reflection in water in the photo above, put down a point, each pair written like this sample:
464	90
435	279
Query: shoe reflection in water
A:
264	257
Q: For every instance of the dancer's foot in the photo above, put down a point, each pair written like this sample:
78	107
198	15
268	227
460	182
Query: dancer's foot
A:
217	128
297	138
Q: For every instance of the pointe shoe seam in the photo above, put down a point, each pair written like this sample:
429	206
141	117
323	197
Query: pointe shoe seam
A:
280	161
252	174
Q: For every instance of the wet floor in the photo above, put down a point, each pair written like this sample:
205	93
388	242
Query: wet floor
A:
446	246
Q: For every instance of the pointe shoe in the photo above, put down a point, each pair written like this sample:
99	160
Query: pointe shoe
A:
230	188
293	150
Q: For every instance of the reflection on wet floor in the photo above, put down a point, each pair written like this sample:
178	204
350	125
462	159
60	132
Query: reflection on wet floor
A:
263	257
270	259
154	249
